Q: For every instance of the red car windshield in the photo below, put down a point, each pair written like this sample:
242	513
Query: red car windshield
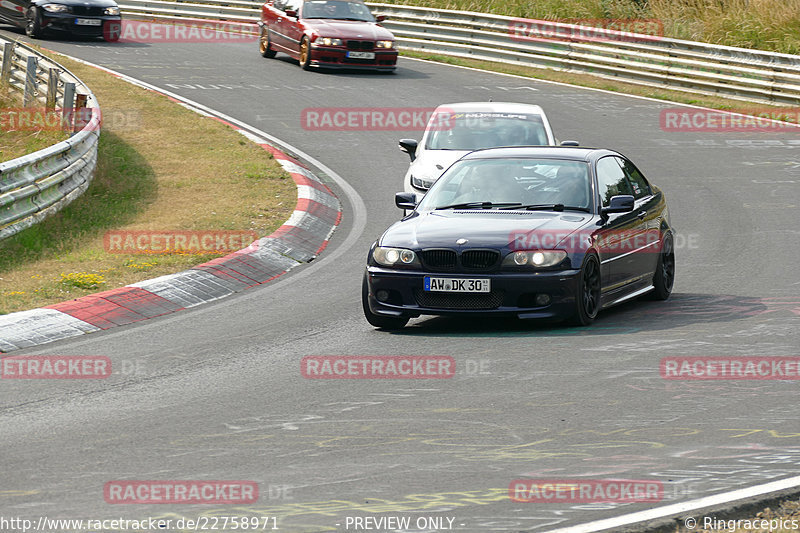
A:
337	10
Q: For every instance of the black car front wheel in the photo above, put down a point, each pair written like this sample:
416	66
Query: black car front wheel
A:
264	44
33	28
384	322
664	277
587	297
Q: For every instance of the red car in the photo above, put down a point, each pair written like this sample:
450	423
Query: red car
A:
327	33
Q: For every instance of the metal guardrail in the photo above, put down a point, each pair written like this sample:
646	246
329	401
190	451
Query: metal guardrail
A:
37	185
649	60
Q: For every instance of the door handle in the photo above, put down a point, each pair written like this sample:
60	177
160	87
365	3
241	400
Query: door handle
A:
642	214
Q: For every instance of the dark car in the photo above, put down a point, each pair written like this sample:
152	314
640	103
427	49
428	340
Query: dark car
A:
327	33
94	18
531	232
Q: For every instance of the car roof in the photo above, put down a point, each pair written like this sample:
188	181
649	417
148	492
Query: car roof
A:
576	153
492	107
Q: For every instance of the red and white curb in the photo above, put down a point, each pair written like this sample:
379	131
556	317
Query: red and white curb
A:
299	240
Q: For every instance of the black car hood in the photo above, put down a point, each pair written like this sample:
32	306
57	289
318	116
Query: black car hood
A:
483	229
88	3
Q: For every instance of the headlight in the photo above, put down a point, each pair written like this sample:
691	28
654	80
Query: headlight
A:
111	11
56	8
395	256
330	41
535	258
384	44
421	183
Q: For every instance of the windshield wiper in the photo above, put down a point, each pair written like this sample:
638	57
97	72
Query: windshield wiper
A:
482	205
550	207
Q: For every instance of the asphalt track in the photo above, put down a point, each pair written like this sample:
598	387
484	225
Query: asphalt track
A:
216	392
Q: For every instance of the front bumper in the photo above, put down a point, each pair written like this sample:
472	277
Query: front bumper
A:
330	57
512	294
65	22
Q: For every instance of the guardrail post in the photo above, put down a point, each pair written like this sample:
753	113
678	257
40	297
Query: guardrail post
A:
68	107
30	81
82	115
52	88
8	57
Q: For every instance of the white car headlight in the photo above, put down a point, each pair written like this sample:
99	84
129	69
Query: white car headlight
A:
330	41
384	44
535	258
56	8
395	256
111	11
422	183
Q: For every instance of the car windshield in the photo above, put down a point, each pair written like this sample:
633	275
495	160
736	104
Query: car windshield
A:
450	130
523	183
336	9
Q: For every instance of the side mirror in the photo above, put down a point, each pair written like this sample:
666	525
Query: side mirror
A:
291	13
570	143
407	200
409	146
381	18
618	204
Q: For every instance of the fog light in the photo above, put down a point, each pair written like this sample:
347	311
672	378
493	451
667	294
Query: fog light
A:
542	299
382	295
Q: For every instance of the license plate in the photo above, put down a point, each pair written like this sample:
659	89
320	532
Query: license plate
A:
88	22
456	285
361	55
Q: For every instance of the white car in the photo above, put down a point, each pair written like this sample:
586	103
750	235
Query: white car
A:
456	129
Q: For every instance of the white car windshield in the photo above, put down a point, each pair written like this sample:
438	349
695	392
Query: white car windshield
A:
473	131
337	9
509	183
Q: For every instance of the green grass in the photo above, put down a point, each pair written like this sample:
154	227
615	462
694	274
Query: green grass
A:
163	168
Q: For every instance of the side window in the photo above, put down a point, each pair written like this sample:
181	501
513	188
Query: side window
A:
641	188
611	180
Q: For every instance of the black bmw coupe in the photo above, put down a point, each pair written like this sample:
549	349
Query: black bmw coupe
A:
531	232
91	18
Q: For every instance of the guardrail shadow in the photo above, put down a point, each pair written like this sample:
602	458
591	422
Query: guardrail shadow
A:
682	309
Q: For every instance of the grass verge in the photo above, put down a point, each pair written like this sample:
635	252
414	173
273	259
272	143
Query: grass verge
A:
160	167
16	138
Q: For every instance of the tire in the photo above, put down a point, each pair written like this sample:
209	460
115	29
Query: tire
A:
264	45
587	298
305	53
383	322
33	27
664	277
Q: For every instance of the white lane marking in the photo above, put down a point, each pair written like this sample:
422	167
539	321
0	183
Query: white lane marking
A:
681	508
